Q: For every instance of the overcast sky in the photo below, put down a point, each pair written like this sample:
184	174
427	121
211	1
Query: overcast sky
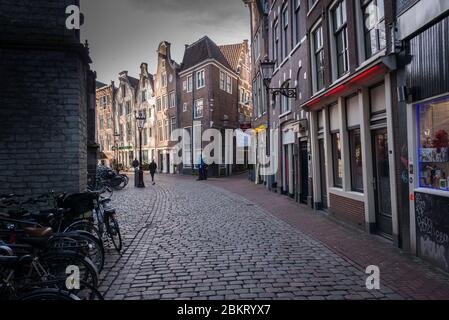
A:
124	33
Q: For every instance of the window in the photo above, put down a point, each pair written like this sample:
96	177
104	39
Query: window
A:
160	132
158	104
172	99
150	132
144	96
284	38
275	43
108	121
312	3
228	84
128	107
318	58
256	46
340	38
100	122
374	26
145	137
222	80
433	146
184	107
172	124
123	91
166	130
164	79
198	110
104	101
296	24
200	80
355	146
285	101
190	83
165	102
337	161
129	130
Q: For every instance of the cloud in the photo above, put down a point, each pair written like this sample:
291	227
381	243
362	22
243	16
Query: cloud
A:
198	12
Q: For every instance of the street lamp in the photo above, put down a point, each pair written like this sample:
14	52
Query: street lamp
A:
140	120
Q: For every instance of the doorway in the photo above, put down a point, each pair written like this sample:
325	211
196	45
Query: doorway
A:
323	180
382	188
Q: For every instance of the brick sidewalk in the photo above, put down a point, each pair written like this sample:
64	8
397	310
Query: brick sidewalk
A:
409	276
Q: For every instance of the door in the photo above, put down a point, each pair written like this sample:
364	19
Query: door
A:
323	179
304	164
382	187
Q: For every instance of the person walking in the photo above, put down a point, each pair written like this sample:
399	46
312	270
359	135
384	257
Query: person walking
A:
153	168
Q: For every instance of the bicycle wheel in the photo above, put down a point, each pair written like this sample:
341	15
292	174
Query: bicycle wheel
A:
81	242
85	225
86	291
57	263
48	294
113	230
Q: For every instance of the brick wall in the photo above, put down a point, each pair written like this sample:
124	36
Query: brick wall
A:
44	100
348	210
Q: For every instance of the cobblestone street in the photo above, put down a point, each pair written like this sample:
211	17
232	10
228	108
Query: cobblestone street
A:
189	240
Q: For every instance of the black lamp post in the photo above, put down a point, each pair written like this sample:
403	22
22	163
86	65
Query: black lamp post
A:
267	71
140	120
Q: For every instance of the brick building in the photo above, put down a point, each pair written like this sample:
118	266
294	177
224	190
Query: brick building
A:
211	78
106	130
47	99
167	91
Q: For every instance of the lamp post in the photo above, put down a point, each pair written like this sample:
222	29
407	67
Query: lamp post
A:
116	142
140	120
267	69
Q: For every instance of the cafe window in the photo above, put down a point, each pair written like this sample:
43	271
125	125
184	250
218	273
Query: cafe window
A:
433	150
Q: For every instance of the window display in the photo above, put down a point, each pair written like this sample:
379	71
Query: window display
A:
433	151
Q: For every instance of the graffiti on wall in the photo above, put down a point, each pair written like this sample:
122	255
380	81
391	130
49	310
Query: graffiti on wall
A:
432	228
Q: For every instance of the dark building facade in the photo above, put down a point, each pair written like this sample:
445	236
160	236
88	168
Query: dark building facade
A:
47	100
352	109
423	83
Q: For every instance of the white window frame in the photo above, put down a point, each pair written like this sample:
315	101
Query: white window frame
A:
190	83
172	99
200	79
195	110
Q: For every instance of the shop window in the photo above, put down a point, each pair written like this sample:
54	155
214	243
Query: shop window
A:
355	146
337	161
433	151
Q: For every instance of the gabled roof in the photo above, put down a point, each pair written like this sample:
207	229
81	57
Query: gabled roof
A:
202	50
99	85
133	82
232	53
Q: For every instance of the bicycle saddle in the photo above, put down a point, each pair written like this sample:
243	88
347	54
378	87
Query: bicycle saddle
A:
39	232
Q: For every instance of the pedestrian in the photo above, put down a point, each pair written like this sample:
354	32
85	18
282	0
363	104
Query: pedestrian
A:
153	168
136	164
201	170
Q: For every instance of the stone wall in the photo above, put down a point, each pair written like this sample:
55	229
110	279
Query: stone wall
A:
44	99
